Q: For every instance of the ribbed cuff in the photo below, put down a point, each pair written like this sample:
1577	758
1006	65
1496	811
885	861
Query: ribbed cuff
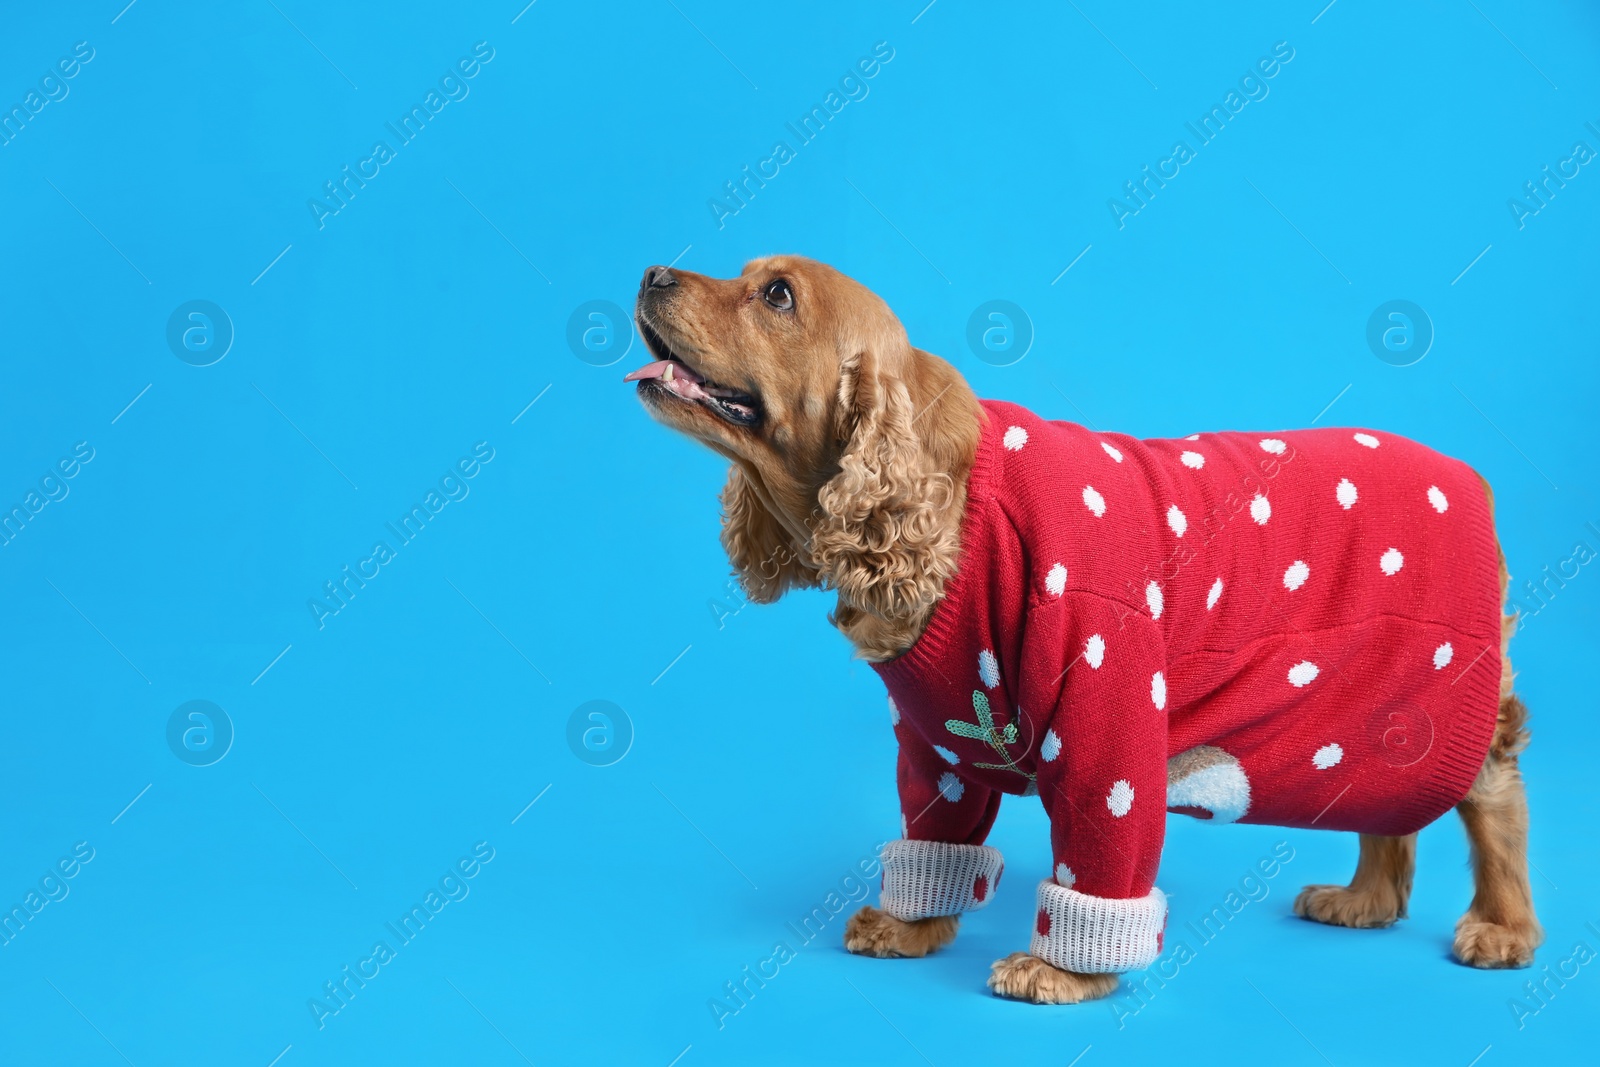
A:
1092	935
922	879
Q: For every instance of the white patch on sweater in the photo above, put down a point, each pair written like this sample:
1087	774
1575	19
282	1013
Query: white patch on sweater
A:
950	787
1015	438
1113	453
1366	439
1094	501
1056	580
1215	594
1437	499
1327	756
1158	691
894	713
1296	575
988	669
1273	445
1260	510
1050	747
1391	561
1223	789
1303	673
1345	493
1193	460
1064	876
946	755
1177	520
1120	799
1442	656
1152	597
1094	650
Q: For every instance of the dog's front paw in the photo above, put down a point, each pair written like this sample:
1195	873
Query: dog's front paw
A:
1486	944
1023	976
1339	905
871	932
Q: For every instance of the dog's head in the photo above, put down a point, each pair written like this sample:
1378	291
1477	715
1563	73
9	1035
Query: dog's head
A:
848	446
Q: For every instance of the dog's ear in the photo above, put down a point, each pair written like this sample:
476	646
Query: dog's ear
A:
883	536
763	557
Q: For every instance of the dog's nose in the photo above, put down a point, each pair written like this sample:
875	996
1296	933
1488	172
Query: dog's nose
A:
658	278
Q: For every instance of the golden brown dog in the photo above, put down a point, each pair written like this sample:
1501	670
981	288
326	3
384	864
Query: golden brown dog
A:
849	454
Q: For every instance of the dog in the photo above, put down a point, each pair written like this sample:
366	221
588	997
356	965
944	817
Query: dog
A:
1302	628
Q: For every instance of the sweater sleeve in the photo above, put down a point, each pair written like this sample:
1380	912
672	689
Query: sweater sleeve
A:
940	866
1102	778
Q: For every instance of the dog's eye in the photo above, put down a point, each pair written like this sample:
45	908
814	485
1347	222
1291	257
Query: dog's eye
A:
779	295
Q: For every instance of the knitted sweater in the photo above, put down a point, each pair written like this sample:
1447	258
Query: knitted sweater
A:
1300	629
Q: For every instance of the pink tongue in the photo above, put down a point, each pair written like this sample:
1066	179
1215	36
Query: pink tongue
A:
659	367
683	382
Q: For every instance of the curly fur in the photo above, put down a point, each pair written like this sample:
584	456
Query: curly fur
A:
764	559
884	536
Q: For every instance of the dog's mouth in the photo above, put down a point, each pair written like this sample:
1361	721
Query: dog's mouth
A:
671	375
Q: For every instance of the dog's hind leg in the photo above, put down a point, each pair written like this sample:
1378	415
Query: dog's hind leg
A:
1378	893
1499	929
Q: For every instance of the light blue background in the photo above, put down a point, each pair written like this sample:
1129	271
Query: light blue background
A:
430	311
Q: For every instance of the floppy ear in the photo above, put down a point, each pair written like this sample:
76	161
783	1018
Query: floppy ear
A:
762	554
884	538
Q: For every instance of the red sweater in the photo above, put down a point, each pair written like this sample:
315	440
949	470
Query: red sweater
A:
1305	623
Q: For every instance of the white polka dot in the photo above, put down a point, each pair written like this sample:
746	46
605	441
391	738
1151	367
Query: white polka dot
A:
950	787
1113	453
1442	656
894	713
1367	439
1050	747
1094	650
1437	499
1120	799
1177	520
988	668
1303	673
1260	510
1094	501
1216	592
1158	691
1064	876
1391	561
1327	756
1152	597
1193	460
1056	580
1192	437
946	755
1015	438
1296	575
1345	493
1273	445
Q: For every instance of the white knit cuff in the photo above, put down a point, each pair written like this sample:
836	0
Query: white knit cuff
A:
1091	935
922	879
